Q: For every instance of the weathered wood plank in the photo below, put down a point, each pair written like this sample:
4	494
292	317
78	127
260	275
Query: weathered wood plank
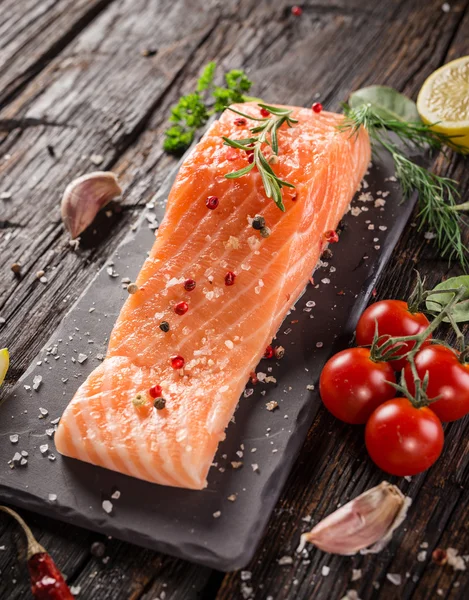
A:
331	50
33	31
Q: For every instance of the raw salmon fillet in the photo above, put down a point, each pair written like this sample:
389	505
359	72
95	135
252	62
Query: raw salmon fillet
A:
226	329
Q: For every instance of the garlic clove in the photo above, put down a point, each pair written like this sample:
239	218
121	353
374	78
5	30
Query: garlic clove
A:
84	197
364	524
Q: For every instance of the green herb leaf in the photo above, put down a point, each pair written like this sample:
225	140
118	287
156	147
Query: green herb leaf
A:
386	102
439	210
269	125
237	83
437	302
192	110
205	81
241	172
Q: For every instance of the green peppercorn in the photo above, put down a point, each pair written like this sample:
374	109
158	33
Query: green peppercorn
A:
265	232
164	326
159	403
258	222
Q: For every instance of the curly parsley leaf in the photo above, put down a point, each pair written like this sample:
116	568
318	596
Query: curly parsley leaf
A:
193	110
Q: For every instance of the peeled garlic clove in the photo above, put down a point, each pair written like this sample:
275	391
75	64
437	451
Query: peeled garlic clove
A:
364	524
84	197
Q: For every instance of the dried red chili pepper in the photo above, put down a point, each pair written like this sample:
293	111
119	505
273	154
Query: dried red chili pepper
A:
47	582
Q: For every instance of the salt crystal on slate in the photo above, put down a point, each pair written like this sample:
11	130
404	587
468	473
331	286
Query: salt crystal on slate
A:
55	421
285	560
356	574
37	382
116	495
325	570
44	412
24	453
51	457
217	514
52	497
44	448
14	438
81	358
245	575
107	506
16	458
394	578
255	467
23	462
422	555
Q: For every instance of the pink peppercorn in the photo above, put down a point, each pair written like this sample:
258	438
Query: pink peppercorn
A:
181	308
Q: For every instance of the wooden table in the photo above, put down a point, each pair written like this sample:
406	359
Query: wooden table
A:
74	82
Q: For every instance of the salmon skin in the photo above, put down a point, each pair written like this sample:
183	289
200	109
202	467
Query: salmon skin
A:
112	421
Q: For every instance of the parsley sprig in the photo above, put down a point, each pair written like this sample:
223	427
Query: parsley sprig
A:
438	207
267	135
193	110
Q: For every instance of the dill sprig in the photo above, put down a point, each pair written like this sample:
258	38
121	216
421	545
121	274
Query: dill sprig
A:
193	110
267	132
438	207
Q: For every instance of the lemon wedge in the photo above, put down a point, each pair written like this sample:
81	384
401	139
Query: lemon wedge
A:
444	100
4	363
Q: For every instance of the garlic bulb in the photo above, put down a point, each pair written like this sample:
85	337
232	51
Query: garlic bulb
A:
84	197
364	524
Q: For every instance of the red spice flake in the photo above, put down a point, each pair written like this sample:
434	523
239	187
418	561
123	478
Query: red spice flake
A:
181	308
294	197
269	352
240	122
156	391
317	107
374	293
211	202
296	11
251	158
265	112
253	378
294	322
439	556
230	278
189	285
177	362
341	293
331	236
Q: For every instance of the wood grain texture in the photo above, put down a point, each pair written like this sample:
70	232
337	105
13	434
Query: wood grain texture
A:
33	31
103	97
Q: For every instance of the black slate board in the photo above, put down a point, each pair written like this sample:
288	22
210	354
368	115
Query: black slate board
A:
182	522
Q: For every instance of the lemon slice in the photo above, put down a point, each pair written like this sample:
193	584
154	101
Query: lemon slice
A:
4	364
444	99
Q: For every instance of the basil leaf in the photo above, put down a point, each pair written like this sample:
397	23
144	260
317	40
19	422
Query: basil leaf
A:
387	102
437	302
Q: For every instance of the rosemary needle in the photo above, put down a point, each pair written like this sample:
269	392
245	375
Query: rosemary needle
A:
264	133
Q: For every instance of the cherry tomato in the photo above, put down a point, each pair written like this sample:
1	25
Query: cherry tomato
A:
403	440
394	319
352	385
447	377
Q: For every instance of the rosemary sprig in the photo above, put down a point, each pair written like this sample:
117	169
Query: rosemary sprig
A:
438	207
267	133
